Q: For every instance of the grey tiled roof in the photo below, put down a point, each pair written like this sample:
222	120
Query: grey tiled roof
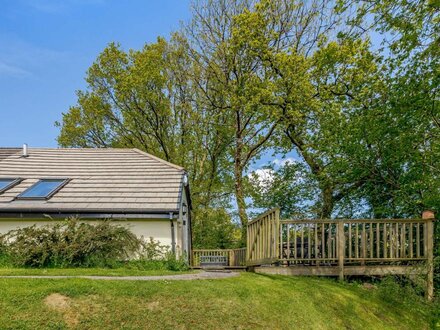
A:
101	180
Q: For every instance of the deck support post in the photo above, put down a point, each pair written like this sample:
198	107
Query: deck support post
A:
429	252
341	249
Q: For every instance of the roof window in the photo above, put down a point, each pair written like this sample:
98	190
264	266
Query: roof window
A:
7	183
43	189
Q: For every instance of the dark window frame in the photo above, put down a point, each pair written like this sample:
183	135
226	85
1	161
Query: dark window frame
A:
64	181
15	181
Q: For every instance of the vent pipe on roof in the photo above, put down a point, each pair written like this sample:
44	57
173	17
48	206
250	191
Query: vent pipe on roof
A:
25	150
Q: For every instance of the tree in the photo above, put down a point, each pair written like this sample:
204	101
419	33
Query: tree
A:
247	77
216	230
404	178
291	187
318	81
146	99
234	85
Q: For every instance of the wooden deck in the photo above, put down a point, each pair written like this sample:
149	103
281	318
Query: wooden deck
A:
342	247
337	247
301	270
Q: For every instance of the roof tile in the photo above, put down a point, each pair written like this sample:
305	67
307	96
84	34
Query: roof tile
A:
105	180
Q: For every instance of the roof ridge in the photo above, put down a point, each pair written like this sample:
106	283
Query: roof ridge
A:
158	159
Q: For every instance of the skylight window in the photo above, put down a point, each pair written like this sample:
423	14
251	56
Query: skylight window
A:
5	184
43	189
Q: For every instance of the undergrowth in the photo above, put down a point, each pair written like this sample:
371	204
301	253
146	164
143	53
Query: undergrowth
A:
73	243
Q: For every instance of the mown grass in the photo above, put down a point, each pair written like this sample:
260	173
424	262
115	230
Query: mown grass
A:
123	271
249	301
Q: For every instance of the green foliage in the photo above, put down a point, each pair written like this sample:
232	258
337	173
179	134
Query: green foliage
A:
400	133
70	244
148	99
155	256
164	262
291	187
215	230
400	290
246	78
77	244
393	289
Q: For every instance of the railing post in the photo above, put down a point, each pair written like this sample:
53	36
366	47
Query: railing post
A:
429	252
341	249
248	244
277	233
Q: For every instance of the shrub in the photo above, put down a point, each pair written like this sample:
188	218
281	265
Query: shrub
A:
155	256
4	257
400	290
152	250
167	262
71	244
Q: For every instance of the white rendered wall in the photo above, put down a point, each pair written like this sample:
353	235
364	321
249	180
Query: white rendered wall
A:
160	230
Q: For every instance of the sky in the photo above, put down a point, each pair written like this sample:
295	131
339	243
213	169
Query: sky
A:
46	46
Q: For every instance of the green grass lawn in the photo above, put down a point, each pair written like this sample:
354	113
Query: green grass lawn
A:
87	271
249	301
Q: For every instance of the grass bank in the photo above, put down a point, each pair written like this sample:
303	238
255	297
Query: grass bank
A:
88	272
249	301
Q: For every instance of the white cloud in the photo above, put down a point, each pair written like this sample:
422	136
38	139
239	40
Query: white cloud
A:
262	177
283	161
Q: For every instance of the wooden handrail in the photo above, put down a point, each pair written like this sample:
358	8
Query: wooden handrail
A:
336	242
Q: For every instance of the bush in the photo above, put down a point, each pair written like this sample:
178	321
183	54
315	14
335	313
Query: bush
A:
155	256
166	262
73	243
70	244
4	257
400	290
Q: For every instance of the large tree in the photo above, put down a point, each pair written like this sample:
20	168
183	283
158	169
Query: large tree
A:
320	79
147	99
403	129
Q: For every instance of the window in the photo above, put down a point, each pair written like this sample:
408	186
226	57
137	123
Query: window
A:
43	189
5	184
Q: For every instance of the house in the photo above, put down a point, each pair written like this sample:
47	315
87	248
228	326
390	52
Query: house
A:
128	186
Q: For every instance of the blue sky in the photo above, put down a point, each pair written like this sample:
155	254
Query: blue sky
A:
46	47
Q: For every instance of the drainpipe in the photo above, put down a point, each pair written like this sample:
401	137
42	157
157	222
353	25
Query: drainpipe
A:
173	236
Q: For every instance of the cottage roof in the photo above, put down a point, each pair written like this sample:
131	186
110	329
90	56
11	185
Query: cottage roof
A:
100	181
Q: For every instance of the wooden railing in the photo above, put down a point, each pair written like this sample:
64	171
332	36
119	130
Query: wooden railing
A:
262	238
234	257
302	241
359	241
343	247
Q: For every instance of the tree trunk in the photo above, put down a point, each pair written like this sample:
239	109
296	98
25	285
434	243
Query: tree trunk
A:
327	190
328	202
239	192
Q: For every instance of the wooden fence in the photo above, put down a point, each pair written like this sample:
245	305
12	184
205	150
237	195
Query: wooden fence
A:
235	258
342	247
